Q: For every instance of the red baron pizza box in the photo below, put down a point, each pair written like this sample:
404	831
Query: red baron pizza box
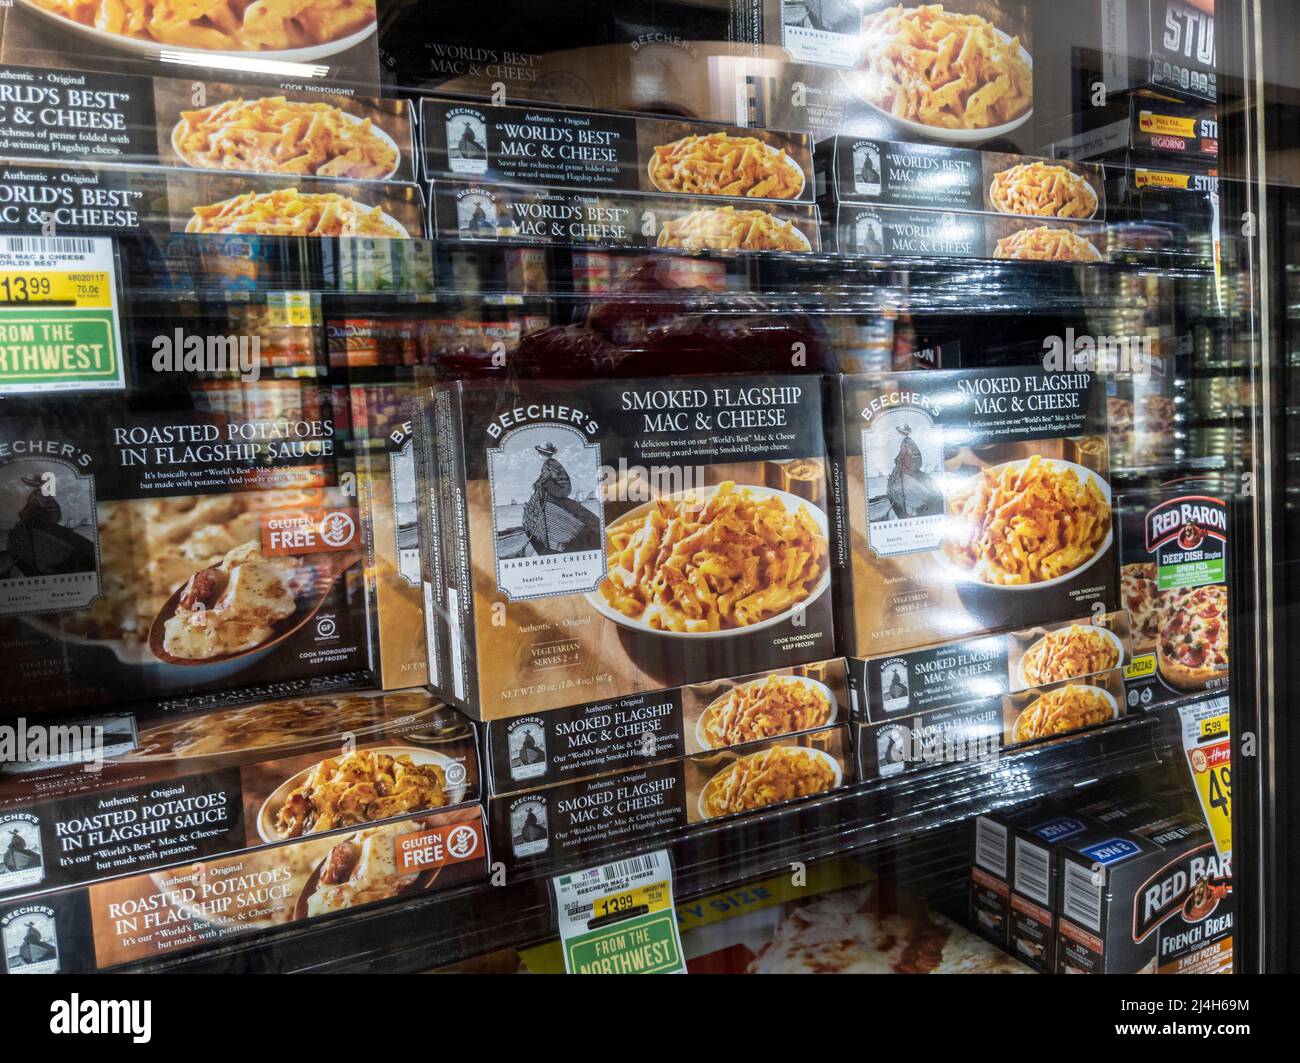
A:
192	790
158	914
526	752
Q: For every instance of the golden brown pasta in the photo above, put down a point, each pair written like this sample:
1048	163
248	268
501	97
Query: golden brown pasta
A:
1043	190
288	212
222	25
940	68
1067	653
778	705
1046	243
768	777
729	560
275	135
719	164
360	787
1060	711
729	229
1011	526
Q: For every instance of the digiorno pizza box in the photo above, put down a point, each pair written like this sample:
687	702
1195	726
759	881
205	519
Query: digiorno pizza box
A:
977	731
525	752
958	672
561	824
61	116
212	783
969	502
204	903
946	177
1174	570
555	496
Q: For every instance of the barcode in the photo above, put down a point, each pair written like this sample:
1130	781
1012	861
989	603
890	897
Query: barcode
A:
991	846
1031	871
58	245
1081	899
637	865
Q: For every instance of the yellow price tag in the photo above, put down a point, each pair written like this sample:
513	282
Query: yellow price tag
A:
652	897
1207	742
91	291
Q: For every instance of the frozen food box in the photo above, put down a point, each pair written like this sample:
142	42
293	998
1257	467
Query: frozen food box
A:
565	505
60	116
159	914
946	177
526	752
1149	124
1174	209
462	209
387	486
212	783
1154	898
976	731
114	201
956	672
899	232
563	824
185	540
1174	569
329	45
1169	45
884	70
614	153
952	488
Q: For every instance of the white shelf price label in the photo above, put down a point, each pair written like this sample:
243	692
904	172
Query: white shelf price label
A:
59	324
620	918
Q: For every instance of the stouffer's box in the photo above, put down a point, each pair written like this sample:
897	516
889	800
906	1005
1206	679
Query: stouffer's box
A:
163	913
198	785
526	752
610	538
561	825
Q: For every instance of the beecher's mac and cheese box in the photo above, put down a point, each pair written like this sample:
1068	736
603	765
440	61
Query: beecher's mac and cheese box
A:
207	784
526	752
609	538
944	177
615	153
207	902
463	209
970	502
192	538
58	116
561	824
328	46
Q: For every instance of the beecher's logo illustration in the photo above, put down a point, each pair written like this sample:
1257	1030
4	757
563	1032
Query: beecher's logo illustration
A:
1194	885
529	827
30	940
548	516
1186	522
868	233
49	534
866	169
895	685
526	740
22	863
902	463
476	214
467	145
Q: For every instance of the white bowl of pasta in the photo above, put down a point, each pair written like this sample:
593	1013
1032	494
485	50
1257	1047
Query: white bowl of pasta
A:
709	724
1053	484
638	601
187	38
770	773
1064	709
877	78
1112	651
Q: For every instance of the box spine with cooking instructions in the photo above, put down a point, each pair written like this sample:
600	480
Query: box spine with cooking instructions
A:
433	578
462	654
836	410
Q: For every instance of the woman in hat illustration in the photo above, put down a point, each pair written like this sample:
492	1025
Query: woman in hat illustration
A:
38	543
554	522
911	491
